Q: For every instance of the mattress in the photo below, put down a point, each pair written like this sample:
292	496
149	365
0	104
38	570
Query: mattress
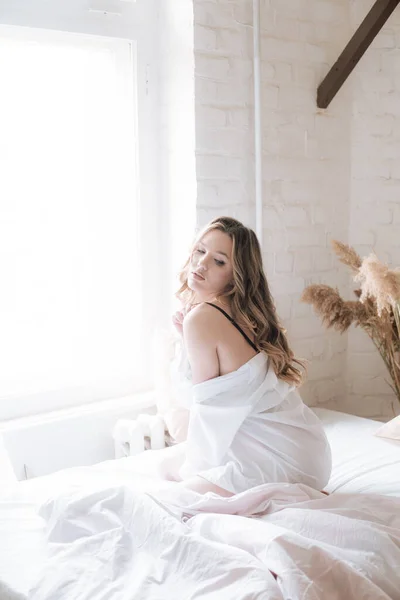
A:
362	462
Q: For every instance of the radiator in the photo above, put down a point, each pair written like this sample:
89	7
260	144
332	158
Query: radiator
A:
132	436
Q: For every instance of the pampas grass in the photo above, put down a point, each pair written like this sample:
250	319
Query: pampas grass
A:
333	310
347	255
379	282
376	310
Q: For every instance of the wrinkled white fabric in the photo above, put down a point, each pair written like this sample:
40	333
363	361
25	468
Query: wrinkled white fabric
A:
248	427
113	542
109	532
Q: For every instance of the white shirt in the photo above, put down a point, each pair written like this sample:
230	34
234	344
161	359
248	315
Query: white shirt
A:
248	427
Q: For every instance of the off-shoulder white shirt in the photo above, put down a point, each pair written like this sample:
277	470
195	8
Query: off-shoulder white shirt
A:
248	427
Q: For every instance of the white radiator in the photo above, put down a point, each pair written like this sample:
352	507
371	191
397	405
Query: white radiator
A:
132	436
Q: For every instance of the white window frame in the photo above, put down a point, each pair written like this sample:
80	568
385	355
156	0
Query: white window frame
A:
136	22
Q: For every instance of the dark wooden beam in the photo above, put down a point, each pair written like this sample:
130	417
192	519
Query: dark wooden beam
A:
361	40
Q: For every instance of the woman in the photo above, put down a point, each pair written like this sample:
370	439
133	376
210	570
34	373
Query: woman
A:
248	424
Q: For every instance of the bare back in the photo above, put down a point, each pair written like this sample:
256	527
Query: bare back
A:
233	350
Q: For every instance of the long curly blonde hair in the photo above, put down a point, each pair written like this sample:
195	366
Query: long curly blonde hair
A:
250	298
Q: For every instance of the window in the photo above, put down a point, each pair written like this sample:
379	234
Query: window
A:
71	278
97	193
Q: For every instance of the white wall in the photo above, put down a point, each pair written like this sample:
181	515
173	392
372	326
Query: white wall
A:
375	194
328	174
306	154
224	110
306	172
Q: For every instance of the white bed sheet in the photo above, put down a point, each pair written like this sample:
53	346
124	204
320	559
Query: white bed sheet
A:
113	543
23	546
362	462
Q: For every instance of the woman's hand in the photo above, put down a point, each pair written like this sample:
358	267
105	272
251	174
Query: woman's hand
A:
179	317
177	320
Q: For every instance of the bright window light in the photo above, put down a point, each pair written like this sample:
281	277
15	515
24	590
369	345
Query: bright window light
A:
70	300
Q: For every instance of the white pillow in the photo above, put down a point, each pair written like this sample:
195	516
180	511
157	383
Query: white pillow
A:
390	430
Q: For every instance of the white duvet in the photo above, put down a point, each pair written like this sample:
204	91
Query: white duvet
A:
103	539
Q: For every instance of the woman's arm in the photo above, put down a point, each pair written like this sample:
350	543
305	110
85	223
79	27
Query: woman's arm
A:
200	337
212	426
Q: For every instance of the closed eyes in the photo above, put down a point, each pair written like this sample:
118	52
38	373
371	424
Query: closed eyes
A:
219	263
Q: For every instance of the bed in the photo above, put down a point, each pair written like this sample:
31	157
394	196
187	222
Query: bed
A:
91	533
362	462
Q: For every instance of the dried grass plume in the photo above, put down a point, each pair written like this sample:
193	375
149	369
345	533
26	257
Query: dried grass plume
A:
347	255
379	282
376	310
335	312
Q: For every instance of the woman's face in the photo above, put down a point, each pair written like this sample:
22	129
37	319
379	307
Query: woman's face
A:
210	270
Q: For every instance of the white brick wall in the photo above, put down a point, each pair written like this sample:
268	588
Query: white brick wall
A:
224	109
305	163
327	173
375	194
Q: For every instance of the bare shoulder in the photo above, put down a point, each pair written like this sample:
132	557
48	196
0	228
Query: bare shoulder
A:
202	319
201	340
200	313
